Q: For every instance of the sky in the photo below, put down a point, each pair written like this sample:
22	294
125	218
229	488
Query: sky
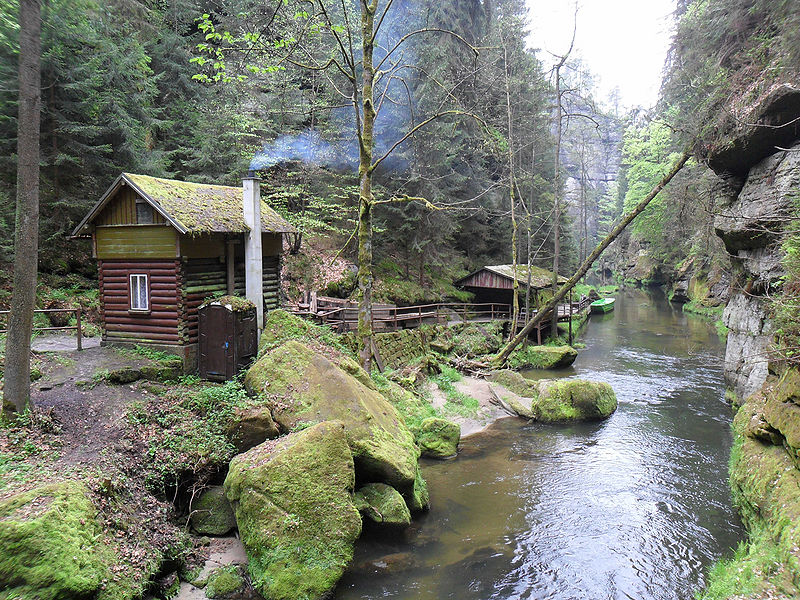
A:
623	42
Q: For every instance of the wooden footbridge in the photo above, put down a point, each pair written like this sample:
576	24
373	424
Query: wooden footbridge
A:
342	315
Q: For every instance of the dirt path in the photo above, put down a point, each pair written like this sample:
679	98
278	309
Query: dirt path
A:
480	389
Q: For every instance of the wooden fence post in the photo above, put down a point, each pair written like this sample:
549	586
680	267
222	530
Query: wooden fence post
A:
78	321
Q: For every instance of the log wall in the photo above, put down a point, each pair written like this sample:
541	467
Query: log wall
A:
119	323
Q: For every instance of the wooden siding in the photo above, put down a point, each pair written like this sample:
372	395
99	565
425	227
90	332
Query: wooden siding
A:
138	241
487	279
121	210
118	323
202	246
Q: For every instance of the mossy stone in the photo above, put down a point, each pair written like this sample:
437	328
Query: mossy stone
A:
223	581
383	504
419	499
563	400
293	503
543	357
438	438
212	513
303	387
515	383
281	326
52	546
250	427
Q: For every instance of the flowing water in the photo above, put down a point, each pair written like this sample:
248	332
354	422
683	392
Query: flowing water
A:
635	507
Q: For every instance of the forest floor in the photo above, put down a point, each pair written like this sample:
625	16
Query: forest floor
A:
487	412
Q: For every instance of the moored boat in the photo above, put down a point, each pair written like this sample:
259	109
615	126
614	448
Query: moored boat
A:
603	305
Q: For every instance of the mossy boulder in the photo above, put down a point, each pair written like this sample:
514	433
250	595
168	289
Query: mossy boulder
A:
223	582
293	503
212	513
515	382
52	546
438	438
303	387
250	427
781	410
543	357
281	326
563	400
382	504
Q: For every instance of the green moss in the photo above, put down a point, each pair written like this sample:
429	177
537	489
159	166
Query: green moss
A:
438	438
233	303
413	407
212	513
293	504
419	499
224	581
54	548
281	326
542	357
515	382
573	399
382	503
474	339
301	386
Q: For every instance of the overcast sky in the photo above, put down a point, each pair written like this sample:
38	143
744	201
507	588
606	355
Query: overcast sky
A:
623	42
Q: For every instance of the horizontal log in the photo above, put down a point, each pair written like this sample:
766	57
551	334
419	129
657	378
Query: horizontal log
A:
132	328
142	322
127	264
150	337
139	269
155	314
204	288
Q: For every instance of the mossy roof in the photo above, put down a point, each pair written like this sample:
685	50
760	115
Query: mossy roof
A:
193	207
540	278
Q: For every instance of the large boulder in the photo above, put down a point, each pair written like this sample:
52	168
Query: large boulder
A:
212	513
250	427
562	400
303	387
52	545
438	438
543	357
293	503
382	504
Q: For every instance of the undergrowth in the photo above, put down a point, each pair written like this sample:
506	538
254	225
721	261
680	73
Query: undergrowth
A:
458	403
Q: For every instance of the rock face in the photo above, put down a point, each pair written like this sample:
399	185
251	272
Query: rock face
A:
382	504
303	388
438	438
212	513
293	503
52	546
749	224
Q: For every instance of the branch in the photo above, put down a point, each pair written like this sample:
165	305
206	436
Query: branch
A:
426	30
558	296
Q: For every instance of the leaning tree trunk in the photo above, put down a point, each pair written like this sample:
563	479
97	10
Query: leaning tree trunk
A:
552	305
512	199
16	393
365	200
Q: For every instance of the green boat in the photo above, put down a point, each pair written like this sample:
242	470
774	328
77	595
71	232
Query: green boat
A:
603	305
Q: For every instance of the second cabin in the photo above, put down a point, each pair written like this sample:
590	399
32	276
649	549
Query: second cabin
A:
164	246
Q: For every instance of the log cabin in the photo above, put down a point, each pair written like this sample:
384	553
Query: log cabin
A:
164	246
495	283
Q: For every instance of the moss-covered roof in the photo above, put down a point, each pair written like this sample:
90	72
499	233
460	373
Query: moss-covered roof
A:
204	208
192	208
540	278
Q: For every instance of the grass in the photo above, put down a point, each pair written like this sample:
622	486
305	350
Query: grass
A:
149	353
457	403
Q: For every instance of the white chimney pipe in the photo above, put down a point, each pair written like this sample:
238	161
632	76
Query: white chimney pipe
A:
253	257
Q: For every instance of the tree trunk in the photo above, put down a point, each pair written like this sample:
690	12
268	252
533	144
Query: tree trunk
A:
552	305
16	391
365	200
556	196
514	228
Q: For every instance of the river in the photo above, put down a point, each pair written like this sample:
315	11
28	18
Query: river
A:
635	507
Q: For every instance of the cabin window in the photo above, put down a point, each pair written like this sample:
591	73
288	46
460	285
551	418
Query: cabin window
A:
140	299
144	213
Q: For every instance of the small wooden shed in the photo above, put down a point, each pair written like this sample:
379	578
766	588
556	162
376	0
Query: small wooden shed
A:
495	283
164	246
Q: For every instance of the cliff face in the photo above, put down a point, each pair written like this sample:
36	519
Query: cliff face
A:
750	223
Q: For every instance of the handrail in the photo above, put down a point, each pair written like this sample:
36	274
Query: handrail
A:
76	327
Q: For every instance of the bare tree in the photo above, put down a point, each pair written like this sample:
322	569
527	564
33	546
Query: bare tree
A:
16	392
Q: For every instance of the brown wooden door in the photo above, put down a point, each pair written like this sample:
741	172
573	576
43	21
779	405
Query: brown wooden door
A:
216	343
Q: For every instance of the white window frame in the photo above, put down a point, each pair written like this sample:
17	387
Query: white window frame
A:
138	283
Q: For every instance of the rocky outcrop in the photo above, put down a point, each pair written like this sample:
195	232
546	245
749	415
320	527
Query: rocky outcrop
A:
293	503
543	357
750	224
303	387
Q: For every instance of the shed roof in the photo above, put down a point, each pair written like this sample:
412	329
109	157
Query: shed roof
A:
192	207
540	278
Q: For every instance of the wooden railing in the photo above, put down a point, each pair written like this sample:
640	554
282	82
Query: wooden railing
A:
387	317
76	327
